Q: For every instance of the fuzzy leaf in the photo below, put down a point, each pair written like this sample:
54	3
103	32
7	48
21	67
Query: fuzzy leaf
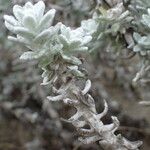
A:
39	9
24	32
11	20
29	22
146	20
137	36
17	10
27	55
47	19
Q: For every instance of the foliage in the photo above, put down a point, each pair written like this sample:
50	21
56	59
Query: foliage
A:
56	48
121	27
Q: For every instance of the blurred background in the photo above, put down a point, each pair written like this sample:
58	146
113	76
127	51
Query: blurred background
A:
28	121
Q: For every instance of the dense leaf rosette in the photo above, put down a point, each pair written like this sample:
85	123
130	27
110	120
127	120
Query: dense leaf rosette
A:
34	29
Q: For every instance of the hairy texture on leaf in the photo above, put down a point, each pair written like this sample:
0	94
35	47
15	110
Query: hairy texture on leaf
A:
55	47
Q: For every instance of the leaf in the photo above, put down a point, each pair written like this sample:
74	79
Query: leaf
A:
11	20
145	41
64	41
9	27
87	87
29	22
137	36
89	26
47	19
80	49
18	12
44	36
65	31
19	40
39	9
71	59
28	5
27	56
26	33
32	55
55	98
74	70
146	20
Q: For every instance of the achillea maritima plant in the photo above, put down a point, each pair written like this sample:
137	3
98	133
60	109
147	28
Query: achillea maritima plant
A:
55	48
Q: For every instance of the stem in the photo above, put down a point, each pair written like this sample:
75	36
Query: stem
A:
86	115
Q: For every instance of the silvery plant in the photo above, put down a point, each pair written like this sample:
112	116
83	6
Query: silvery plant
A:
122	25
56	48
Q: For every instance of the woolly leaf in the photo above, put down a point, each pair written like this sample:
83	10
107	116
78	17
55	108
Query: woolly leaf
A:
17	10
29	22
71	59
146	20
27	56
11	20
39	9
47	19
